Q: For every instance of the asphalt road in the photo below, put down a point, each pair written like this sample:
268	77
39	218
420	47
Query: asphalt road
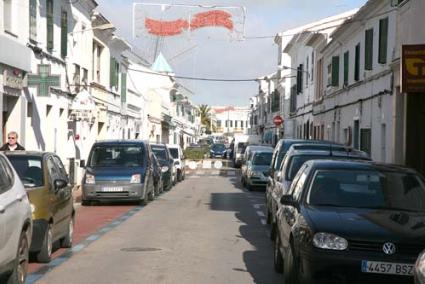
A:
207	229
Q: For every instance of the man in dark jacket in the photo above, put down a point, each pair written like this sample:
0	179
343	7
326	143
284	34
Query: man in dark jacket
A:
12	143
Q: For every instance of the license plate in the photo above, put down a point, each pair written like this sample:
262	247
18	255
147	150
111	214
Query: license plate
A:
112	189
387	268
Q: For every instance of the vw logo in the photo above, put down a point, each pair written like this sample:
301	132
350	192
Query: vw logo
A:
389	248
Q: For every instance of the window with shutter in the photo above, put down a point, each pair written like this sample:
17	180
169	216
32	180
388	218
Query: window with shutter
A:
64	34
33	20
357	63
123	87
346	67
113	76
335	71
368	50
383	40
49	15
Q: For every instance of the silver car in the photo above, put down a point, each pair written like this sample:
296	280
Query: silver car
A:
15	225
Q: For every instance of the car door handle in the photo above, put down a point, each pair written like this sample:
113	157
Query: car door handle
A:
20	197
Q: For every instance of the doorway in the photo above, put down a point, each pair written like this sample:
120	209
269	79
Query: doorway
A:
415	132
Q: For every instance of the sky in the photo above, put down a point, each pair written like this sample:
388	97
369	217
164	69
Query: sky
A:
215	52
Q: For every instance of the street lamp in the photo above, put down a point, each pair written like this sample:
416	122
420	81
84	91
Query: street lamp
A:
283	67
100	27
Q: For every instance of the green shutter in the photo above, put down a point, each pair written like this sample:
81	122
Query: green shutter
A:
335	71
64	34
123	87
368	50
383	40
357	64
33	20
346	67
112	73
49	12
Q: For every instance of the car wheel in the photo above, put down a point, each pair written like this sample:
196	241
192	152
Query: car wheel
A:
66	242
290	266
45	254
277	256
20	267
273	232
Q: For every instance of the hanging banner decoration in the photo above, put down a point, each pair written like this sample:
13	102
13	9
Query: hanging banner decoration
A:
166	28
153	20
214	18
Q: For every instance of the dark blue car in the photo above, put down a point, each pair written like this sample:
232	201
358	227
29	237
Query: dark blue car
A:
217	150
167	163
119	170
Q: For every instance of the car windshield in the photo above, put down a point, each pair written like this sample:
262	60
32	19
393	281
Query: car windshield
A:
218	147
174	152
241	147
262	159
29	169
116	155
368	189
160	153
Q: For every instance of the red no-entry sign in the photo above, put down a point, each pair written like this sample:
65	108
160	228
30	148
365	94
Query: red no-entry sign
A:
277	120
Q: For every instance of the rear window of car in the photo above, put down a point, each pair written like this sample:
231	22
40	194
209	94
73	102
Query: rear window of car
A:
262	159
174	152
160	152
368	189
29	169
116	155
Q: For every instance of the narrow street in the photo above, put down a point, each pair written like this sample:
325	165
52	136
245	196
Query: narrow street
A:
207	229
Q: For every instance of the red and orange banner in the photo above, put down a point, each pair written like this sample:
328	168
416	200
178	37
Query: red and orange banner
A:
213	18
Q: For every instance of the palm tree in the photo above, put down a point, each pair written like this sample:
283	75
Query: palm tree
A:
205	112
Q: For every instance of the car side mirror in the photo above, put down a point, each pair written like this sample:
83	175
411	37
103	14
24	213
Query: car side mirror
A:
82	163
59	184
183	157
279	176
287	199
268	172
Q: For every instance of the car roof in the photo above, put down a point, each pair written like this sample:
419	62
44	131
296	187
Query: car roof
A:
321	152
120	141
265	150
359	165
27	153
173	146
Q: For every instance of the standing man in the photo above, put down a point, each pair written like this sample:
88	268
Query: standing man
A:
12	143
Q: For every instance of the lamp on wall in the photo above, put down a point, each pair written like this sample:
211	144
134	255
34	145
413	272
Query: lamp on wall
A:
107	26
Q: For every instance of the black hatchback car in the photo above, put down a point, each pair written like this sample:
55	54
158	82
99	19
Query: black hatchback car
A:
350	218
162	153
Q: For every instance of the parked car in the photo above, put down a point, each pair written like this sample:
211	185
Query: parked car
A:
250	149
293	160
167	164
118	170
179	161
217	150
239	151
258	167
350	219
15	225
50	194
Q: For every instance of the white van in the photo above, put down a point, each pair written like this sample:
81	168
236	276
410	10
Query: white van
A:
179	160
